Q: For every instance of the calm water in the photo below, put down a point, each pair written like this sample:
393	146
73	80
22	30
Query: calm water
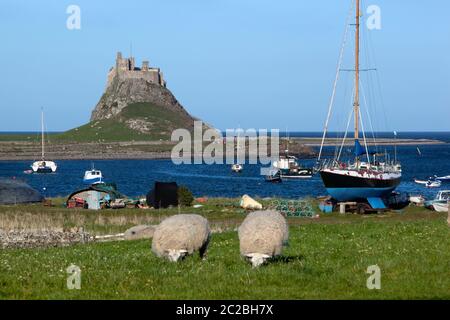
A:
136	177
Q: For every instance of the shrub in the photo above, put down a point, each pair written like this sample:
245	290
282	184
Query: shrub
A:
185	197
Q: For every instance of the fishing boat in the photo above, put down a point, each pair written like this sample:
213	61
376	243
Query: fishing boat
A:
364	177
289	168
43	166
93	176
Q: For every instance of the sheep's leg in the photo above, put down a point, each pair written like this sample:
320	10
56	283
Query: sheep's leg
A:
204	248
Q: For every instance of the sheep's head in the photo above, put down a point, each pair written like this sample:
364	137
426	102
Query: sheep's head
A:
175	255
257	259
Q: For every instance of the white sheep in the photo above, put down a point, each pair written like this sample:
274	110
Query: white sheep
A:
262	235
180	235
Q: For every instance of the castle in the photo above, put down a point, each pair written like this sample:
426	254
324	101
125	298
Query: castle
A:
125	69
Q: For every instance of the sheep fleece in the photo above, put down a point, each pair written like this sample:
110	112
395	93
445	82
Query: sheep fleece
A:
188	232
263	232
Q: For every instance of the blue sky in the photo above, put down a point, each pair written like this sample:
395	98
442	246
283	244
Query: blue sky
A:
253	63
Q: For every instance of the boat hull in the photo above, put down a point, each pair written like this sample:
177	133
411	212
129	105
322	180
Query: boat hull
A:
300	174
43	167
93	180
440	207
347	188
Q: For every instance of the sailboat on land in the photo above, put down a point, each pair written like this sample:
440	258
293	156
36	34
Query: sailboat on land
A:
364	177
43	166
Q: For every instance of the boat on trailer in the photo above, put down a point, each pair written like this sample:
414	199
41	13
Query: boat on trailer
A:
359	179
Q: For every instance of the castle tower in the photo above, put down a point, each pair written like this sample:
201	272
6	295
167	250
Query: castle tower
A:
145	65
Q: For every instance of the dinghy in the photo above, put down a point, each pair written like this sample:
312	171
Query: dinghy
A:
433	184
440	207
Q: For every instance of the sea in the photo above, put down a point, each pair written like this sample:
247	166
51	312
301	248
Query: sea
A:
135	178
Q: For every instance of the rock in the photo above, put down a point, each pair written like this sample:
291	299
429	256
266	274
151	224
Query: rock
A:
123	92
249	203
139	232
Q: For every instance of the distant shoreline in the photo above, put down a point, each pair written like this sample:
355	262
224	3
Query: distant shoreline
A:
155	150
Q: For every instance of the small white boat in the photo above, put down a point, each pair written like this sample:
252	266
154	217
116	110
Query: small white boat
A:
443	178
442	197
440	207
433	184
421	181
93	176
417	200
43	166
237	167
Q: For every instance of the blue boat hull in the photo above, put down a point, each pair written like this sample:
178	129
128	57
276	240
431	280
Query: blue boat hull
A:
92	181
350	188
350	194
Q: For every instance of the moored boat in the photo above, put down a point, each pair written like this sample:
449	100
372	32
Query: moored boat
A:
443	178
93	176
237	168
43	166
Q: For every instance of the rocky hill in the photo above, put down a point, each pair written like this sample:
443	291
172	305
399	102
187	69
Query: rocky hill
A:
136	105
124	92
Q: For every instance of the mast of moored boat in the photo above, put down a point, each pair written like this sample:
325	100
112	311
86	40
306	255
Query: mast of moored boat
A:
42	133
356	101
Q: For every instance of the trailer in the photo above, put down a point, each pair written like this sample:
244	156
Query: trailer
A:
370	205
395	201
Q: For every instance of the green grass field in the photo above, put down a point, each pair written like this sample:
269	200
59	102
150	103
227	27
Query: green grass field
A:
327	259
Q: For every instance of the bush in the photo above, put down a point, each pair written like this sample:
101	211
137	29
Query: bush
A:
185	197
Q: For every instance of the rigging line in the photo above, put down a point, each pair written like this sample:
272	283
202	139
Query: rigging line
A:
364	136
368	115
368	62
340	135
379	91
340	121
341	54
345	134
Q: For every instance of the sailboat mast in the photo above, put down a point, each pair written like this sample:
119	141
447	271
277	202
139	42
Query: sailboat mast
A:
42	134
356	102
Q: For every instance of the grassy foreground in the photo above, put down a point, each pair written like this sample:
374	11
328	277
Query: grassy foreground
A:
323	261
